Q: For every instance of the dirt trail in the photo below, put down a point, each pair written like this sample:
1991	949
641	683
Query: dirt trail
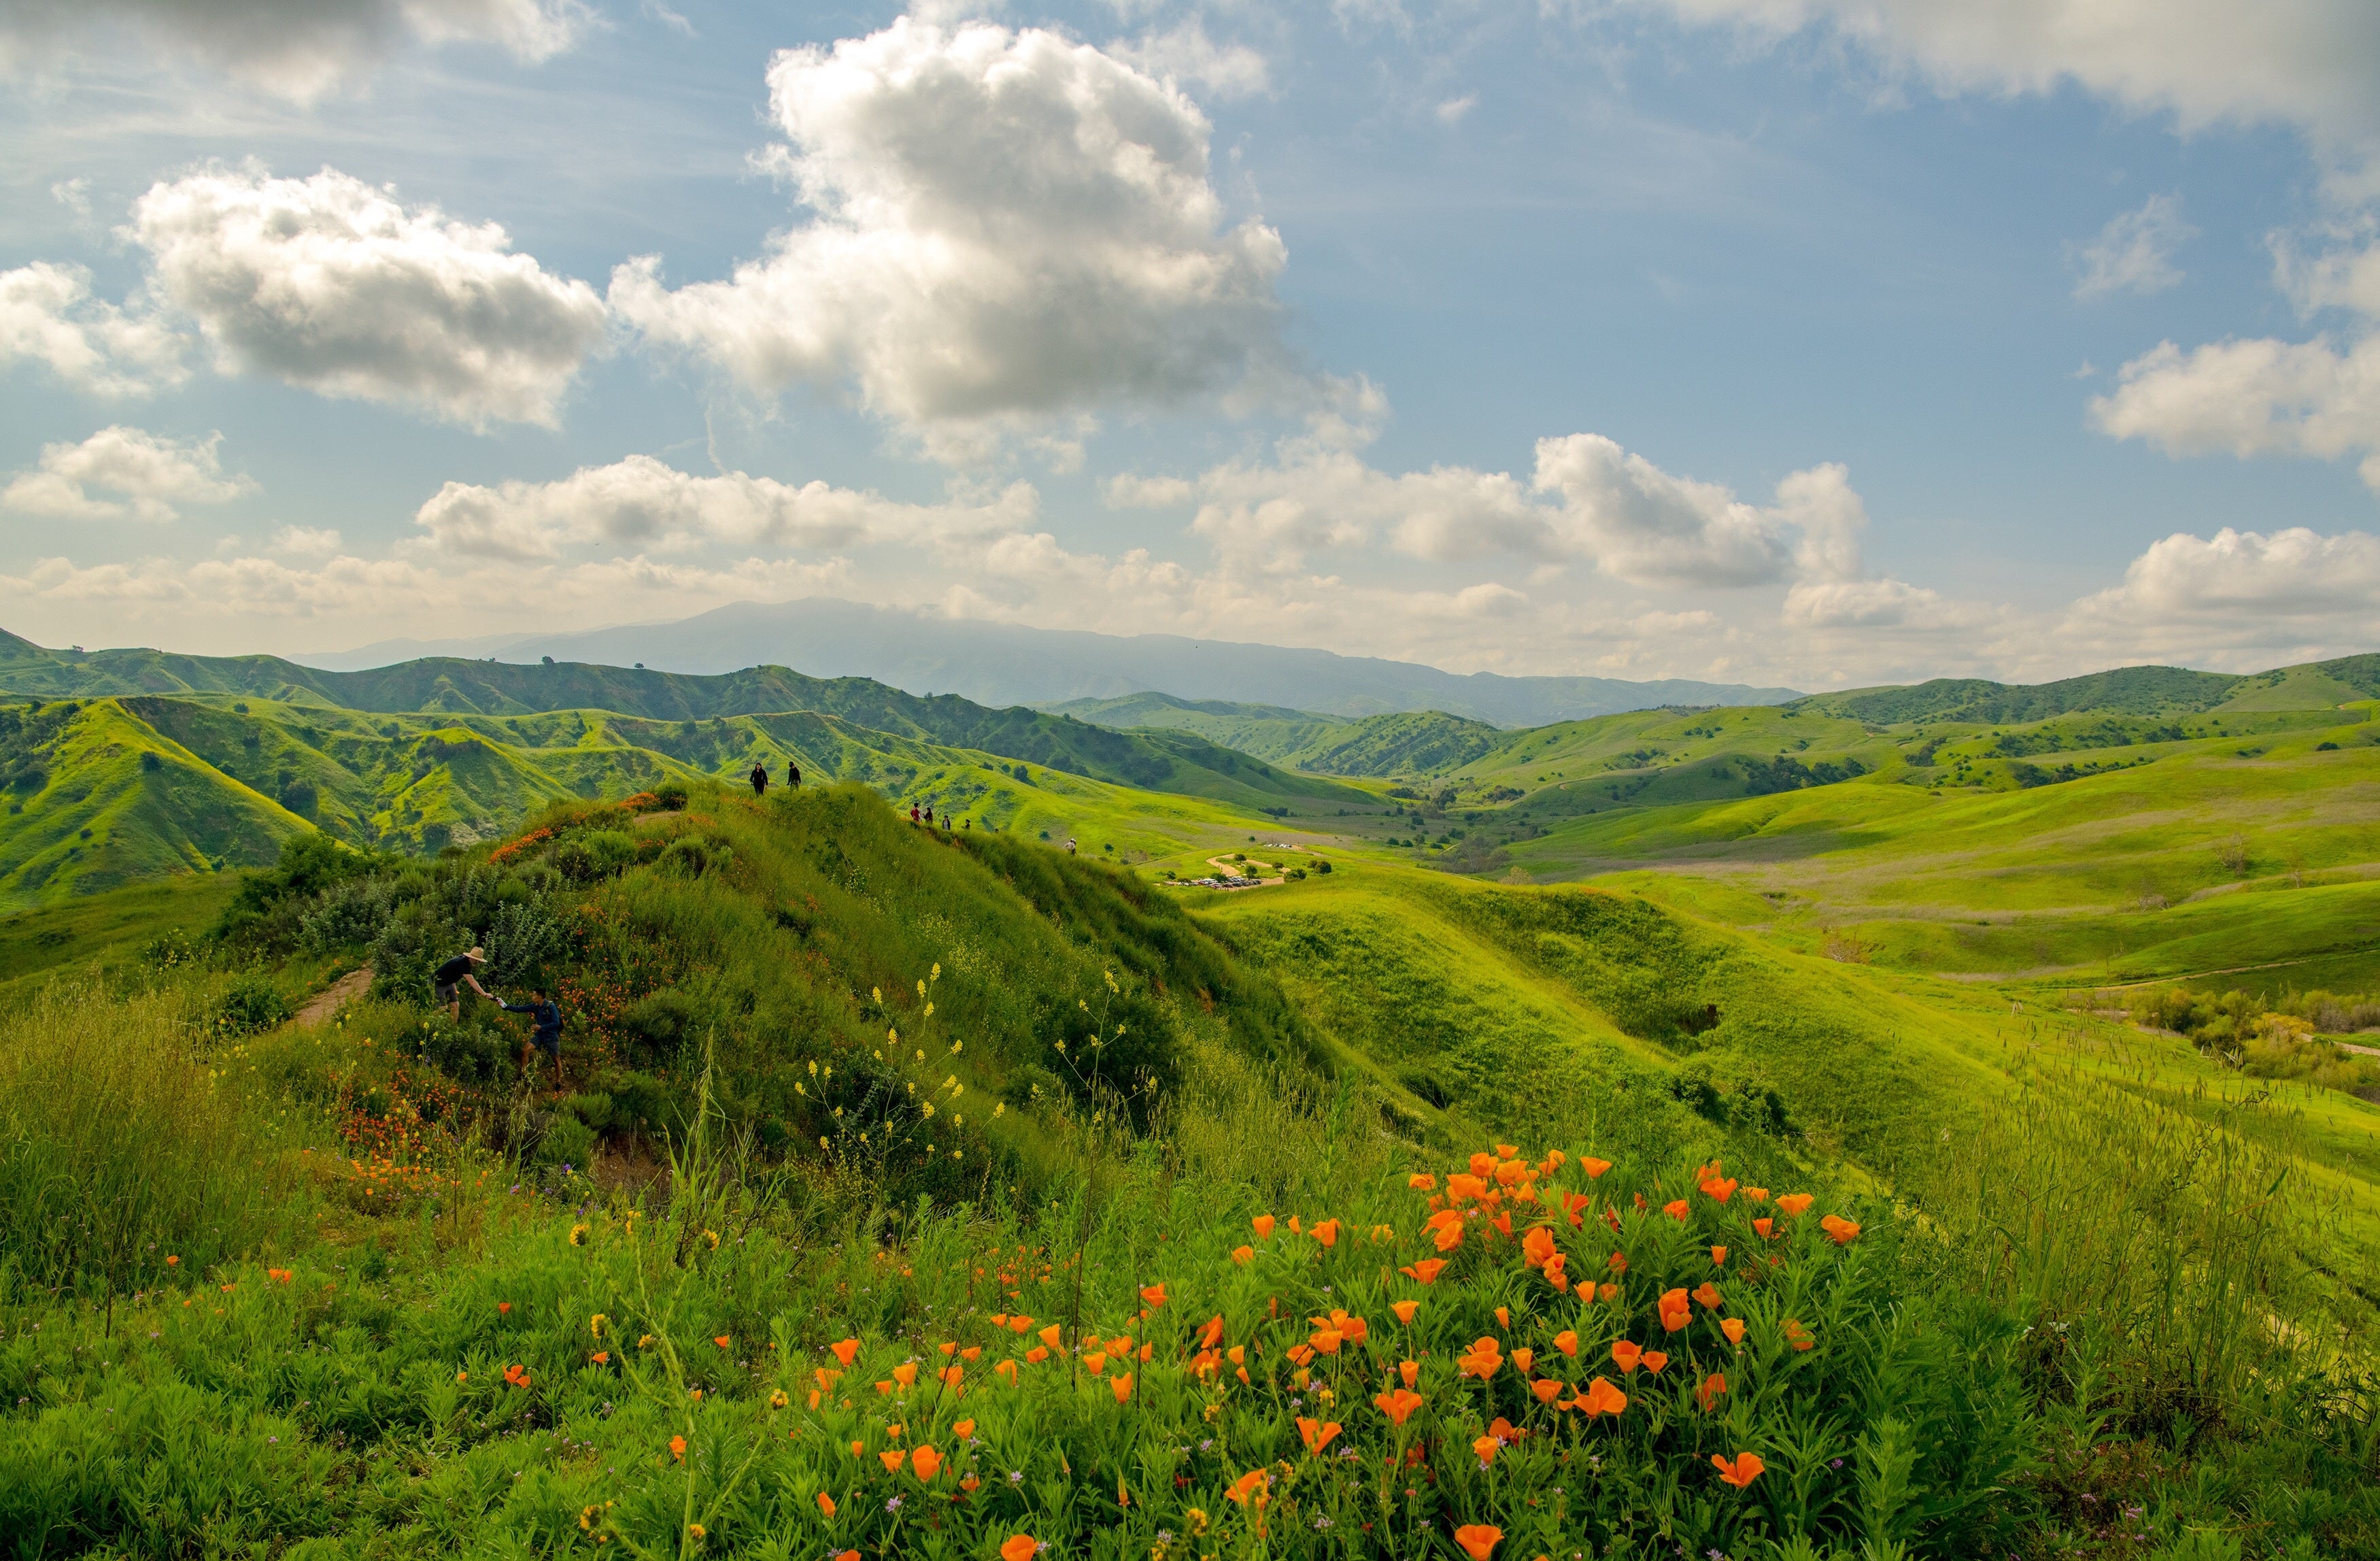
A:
324	1004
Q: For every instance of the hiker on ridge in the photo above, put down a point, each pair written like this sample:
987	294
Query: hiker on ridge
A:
456	972
760	780
793	775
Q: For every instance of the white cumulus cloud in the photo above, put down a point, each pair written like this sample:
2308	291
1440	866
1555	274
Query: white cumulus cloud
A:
1185	52
1644	525
333	284
2134	252
644	503
2258	397
1004	225
48	315
2286	594
148	474
298	48
2308	62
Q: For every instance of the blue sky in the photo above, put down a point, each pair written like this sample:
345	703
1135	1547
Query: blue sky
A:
1820	342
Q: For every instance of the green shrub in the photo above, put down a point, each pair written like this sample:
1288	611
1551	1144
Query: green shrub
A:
251	1004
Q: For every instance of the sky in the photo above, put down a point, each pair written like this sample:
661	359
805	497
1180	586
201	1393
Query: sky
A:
1810	342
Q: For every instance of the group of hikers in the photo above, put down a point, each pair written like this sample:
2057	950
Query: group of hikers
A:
544	1013
927	818
761	777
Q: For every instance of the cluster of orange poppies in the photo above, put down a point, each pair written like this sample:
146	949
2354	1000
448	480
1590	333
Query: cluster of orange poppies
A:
1485	1196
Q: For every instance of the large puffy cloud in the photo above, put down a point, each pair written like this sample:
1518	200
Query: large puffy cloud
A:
333	285
2309	63
150	474
48	314
644	503
2259	396
1646	525
2247	598
296	48
1005	225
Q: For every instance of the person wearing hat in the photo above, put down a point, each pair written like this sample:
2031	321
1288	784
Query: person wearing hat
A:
455	973
760	780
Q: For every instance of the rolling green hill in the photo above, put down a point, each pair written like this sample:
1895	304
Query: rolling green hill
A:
1400	743
1162	760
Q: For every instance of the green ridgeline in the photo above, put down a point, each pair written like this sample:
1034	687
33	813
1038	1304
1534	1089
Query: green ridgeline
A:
1400	743
112	790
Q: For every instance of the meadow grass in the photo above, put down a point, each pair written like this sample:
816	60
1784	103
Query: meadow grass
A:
2084	1312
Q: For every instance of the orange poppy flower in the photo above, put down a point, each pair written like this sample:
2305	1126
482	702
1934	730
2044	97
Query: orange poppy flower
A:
1522	1359
1742	1470
1425	1271
905	1374
1410	1371
952	1376
1718	1255
948	1347
1713	1386
677	1449
1018	1547
1677	1210
1707	1293
721	1341
1019	1325
1213	1333
1317	1433
1478	1540
1006	1372
1538	1246
1734	1328
1122	1386
971	1354
845	1350
1484	1448
1153	1294
891	1460
1567	1342
927	1462
1503	1222
1719	1191
1422	1181
999	1319
1841	1229
1626	1354
1398	1403
1504	1317
1253	1482
1594	1168
1481	1359
1572	1204
1264	1224
1052	1334
826	1504
1797	1335
1765	1225
1755	1194
1460	1187
963	1430
1546	1389
1097	1362
1604	1292
1237	1355
1404	1311
1795	1202
1035	1356
1295	1228
1654	1361
1327	1231
1244	1255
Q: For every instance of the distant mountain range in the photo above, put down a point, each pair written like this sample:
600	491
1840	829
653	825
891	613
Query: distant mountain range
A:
1007	663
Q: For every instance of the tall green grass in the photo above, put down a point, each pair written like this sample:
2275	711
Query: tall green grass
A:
123	1158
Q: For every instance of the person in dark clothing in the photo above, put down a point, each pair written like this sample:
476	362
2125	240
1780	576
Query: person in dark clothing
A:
456	973
760	780
544	1027
793	775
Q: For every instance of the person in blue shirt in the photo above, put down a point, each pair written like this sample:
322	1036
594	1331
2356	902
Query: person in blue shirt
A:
544	1027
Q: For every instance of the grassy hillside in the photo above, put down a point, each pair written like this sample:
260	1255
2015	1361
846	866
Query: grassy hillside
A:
1009	1202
